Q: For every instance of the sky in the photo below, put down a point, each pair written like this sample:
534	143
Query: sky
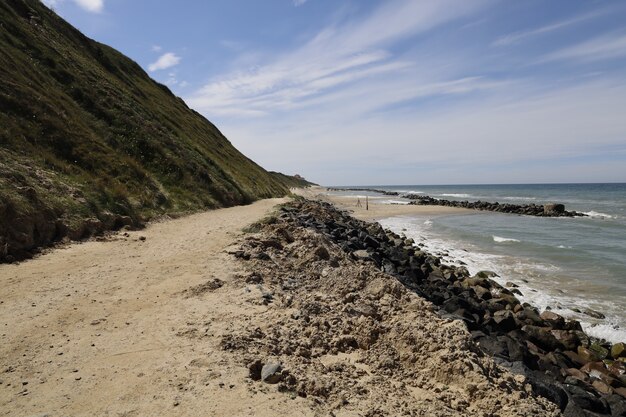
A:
358	92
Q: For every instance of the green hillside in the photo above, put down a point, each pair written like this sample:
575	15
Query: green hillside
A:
89	142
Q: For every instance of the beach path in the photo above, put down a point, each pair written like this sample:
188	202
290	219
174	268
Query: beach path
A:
108	328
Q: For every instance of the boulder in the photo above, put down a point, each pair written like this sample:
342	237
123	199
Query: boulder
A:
618	350
553	209
270	372
568	339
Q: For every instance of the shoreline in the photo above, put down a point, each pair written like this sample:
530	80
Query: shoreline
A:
547	348
377	209
533	292
210	313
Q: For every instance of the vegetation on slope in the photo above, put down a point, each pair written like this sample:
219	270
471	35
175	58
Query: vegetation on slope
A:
88	141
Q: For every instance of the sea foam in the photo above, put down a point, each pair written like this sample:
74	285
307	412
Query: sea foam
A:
499	239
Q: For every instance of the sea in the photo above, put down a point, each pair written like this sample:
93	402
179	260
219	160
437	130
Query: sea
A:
564	264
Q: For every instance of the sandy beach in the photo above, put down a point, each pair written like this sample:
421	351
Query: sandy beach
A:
101	328
379	208
166	321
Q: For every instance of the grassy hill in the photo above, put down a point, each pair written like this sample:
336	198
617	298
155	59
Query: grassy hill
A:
89	142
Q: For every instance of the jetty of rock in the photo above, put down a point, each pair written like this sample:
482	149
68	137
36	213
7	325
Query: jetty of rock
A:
582	375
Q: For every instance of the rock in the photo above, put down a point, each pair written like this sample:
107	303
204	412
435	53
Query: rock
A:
568	339
542	337
492	346
270	373
371	242
602	387
361	254
322	253
576	373
505	320
486	274
587	355
600	351
553	209
482	293
554	320
585	400
618	350
593	313
272	243
617	405
574	357
255	369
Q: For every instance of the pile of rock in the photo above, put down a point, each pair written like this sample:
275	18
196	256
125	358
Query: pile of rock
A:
546	210
370	190
563	363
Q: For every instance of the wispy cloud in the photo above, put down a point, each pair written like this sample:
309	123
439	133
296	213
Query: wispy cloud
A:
93	6
339	55
299	3
517	37
165	61
509	129
156	48
607	46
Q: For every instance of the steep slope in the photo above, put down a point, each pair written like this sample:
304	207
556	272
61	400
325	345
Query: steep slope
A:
88	141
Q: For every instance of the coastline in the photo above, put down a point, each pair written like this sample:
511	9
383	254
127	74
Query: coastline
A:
378	209
193	315
542	283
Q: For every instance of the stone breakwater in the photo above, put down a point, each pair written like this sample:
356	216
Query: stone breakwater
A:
371	190
583	376
545	210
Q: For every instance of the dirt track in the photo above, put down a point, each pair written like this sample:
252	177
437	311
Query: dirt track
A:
95	328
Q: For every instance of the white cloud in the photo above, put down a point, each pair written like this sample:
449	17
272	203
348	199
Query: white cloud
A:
523	35
299	3
93	6
337	57
165	61
156	48
345	107
465	141
611	45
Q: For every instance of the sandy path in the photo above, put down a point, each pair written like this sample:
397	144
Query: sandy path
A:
95	328
378	209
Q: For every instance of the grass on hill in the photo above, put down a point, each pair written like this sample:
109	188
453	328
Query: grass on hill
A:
85	133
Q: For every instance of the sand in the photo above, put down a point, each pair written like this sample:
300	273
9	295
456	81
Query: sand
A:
379	207
165	321
99	328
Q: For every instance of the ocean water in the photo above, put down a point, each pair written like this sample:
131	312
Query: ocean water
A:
567	264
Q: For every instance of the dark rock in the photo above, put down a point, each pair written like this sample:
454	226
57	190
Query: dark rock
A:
617	405
542	337
254	370
593	313
270	373
321	253
553	209
567	339
618	350
504	320
585	399
587	355
493	346
554	320
600	351
371	242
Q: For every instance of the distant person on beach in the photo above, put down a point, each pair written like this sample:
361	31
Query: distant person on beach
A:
358	203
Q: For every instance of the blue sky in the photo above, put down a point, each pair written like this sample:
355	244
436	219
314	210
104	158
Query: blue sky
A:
394	91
